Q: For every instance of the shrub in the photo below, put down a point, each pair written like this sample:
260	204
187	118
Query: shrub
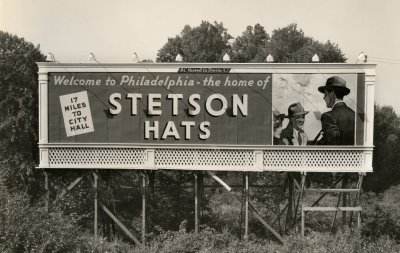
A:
87	243
382	215
26	227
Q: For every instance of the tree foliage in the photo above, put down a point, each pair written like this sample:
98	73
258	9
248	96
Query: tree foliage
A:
287	44
18	110
204	43
290	44
209	42
251	46
387	147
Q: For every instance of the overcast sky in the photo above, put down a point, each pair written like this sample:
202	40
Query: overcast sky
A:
113	30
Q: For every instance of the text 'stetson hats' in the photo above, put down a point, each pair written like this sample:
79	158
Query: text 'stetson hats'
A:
296	109
335	83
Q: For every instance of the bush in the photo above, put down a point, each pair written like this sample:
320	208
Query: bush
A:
205	241
88	243
209	241
343	242
25	227
382	215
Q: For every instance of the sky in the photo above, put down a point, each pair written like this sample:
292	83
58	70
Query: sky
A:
113	30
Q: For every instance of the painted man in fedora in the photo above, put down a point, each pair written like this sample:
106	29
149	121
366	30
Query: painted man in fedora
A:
338	124
294	133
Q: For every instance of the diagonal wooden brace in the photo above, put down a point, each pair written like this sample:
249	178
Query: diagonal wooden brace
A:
119	223
66	190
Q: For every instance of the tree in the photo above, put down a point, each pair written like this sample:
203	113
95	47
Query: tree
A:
287	44
251	46
387	147
170	50
18	111
204	43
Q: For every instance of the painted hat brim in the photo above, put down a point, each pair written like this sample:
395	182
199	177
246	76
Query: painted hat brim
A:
297	114
345	90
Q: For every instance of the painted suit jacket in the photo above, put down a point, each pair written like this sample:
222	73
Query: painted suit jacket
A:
288	138
338	125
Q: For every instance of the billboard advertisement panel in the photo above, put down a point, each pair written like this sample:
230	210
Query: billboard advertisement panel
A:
281	117
191	108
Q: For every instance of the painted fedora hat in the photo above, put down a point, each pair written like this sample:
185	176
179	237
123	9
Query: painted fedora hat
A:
296	109
335	83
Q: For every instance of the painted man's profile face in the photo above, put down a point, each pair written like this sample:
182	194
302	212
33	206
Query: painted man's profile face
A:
329	97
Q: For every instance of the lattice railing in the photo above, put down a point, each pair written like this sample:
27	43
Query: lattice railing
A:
309	159
207	159
96	156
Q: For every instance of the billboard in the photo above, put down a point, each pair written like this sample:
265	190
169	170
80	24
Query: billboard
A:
251	114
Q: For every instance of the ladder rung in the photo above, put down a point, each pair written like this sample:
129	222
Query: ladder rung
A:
332	190
331	209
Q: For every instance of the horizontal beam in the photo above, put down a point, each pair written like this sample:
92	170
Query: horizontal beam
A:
205	186
208	147
331	209
332	190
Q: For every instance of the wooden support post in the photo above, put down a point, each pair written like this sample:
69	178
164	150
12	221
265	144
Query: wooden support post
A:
246	212
201	195
95	204
108	226
300	198
358	194
344	200
47	188
196	202
334	216
143	184
303	220
289	219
